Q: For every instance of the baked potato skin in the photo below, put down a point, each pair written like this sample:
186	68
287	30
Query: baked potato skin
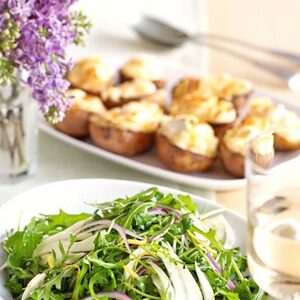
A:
220	129
234	163
282	144
160	84
75	123
178	159
119	141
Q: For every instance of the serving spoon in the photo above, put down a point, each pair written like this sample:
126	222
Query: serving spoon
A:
162	33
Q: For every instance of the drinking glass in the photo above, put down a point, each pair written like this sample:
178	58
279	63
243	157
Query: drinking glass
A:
274	223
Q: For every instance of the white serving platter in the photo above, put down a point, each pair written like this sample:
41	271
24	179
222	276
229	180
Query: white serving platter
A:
214	179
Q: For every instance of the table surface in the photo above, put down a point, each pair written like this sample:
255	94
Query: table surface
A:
59	161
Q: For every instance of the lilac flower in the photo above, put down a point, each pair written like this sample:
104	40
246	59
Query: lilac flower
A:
34	37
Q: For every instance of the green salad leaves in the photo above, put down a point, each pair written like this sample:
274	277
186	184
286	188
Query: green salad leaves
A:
148	246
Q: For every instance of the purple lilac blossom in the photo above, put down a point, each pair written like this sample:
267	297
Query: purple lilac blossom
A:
45	29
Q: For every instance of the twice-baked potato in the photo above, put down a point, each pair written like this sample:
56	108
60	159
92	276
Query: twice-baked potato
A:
186	86
233	145
287	137
220	114
221	86
135	90
184	144
92	75
126	130
75	122
284	123
226	87
143	67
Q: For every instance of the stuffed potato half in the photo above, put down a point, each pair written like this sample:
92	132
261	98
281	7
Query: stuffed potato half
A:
76	120
91	74
143	67
126	130
222	86
135	90
186	145
284	123
233	145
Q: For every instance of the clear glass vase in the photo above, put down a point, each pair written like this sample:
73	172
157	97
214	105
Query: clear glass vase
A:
18	134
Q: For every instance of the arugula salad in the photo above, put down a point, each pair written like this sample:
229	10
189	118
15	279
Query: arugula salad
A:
148	246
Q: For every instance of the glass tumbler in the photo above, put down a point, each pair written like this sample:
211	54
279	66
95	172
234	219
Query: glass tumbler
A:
274	223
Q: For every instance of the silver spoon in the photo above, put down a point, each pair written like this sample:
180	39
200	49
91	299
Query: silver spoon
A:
166	34
162	33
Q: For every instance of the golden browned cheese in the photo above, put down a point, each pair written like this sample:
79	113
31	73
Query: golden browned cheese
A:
83	101
91	74
284	122
137	88
237	138
211	109
186	132
143	116
222	86
143	67
186	86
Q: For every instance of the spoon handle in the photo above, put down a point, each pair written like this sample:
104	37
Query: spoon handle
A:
281	72
278	53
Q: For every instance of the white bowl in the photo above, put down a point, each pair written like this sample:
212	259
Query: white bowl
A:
73	196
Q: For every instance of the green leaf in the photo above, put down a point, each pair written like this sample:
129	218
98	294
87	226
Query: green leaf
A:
188	202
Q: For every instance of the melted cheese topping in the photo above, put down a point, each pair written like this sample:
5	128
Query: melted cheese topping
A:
225	86
284	122
81	100
91	74
237	138
189	134
210	109
261	106
145	67
222	86
137	88
263	144
186	86
140	116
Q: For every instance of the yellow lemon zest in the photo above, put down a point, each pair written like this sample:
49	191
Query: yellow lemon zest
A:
51	261
135	242
131	272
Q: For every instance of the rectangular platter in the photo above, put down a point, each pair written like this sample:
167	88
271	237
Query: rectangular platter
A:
216	178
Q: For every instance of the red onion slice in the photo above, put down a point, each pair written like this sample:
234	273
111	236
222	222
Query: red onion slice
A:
109	223
171	210
230	284
213	262
158	211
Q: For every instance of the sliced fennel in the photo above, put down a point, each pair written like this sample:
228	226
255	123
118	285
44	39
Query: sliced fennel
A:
184	284
207	291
